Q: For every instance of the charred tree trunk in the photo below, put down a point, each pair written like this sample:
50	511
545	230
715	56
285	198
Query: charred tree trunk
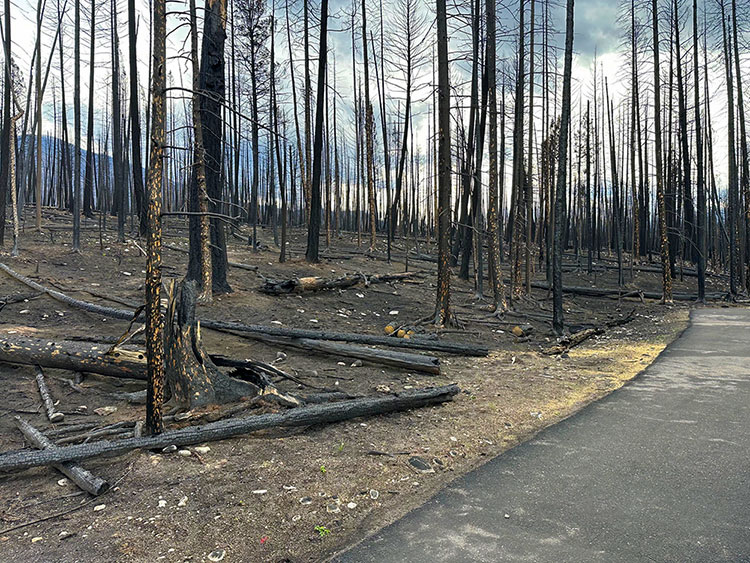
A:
557	283
213	87
154	180
443	314
135	125
662	208
313	232
193	378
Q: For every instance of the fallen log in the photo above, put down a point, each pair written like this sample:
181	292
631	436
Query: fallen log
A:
311	284
83	478
413	343
10	299
582	335
222	429
622	292
49	405
74	356
403	360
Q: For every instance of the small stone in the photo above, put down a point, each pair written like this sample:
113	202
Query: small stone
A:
217	555
184	453
202	449
333	508
420	465
105	411
260	491
64	535
289	487
162	503
305	500
351	505
454	439
127	273
394	312
507	516
36	539
169	449
374	494
357	364
341	363
99	507
182	502
383	389
24	312
63	482
517	331
296	517
314	320
280	356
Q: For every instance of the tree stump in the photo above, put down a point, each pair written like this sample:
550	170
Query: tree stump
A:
193	379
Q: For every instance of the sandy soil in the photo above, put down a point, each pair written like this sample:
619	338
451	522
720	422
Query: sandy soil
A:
303	494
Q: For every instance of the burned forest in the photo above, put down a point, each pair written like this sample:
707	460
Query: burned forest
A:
273	272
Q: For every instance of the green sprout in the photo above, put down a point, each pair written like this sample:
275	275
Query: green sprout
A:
323	531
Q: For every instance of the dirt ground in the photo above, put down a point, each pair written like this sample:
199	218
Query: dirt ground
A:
303	494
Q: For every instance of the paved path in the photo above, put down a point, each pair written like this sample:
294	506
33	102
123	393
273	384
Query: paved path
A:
657	471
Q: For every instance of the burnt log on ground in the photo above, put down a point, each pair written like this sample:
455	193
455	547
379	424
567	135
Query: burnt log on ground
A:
83	478
311	284
10	299
301	416
581	336
622	292
73	356
414	343
49	405
403	360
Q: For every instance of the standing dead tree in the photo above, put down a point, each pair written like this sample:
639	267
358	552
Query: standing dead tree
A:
313	231
154	179
557	282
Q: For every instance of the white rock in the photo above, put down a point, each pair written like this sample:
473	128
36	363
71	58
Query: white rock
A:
394	312
162	503
217	555
184	453
36	539
202	449
183	501
260	491
351	505
62	482
99	507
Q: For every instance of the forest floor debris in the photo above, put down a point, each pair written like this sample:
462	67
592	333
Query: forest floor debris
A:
372	470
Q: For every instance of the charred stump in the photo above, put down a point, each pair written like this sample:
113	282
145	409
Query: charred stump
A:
193	378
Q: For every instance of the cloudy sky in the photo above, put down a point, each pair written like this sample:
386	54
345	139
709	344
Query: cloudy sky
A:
597	31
